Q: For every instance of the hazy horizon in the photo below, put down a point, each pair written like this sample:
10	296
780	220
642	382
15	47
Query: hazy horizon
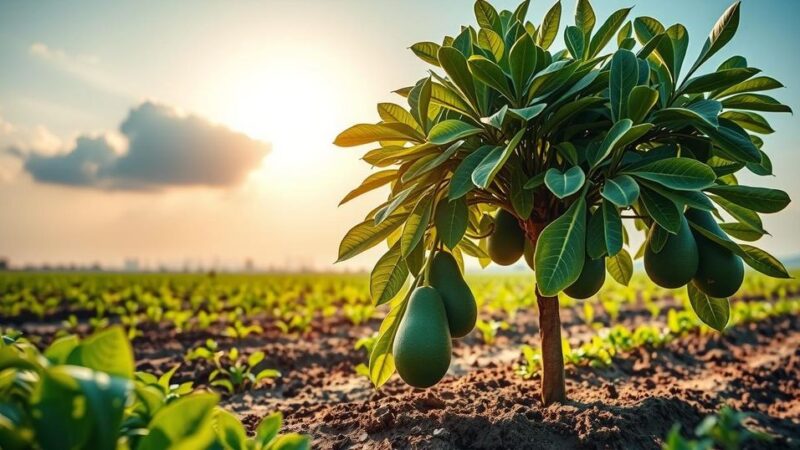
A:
202	131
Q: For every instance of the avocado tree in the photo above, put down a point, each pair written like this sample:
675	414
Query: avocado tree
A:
508	148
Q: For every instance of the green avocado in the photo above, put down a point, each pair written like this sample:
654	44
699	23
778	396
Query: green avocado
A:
528	253
590	280
720	272
676	264
459	303
422	344
507	242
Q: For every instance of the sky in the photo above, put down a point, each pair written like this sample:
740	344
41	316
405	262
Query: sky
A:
200	132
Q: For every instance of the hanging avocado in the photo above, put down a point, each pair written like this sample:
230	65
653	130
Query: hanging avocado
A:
459	303
590	280
720	272
675	264
507	241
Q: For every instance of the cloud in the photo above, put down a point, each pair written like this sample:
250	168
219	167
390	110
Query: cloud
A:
164	149
85	67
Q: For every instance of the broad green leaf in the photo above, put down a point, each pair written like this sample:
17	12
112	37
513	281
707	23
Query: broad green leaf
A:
187	419
490	40
367	234
497	119
461	182
388	276
423	107
574	39
755	102
584	17
268	428
607	31
733	142
621	190
491	74
741	231
427	51
677	43
451	219
595	235
646	28
744	215
702	114
753	85
291	441
400	199
677	173
661	209
640	102
620	267
550	79
484	174
486	15
612	228
714	312
569	110
564	184
451	130
428	163
749	121
107	351
522	61
720	35
529	113
717	80
454	63
229	430
624	76
416	224
366	133
763	200
610	142
692	199
536	181
445	97
391	112
561	250
549	30
381	360
372	182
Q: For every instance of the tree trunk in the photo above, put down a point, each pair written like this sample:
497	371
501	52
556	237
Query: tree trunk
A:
553	387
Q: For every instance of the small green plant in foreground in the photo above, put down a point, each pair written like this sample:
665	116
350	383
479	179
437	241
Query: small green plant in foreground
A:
234	373
724	430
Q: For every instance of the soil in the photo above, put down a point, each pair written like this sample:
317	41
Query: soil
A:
481	403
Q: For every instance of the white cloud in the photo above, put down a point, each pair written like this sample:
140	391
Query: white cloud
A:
85	67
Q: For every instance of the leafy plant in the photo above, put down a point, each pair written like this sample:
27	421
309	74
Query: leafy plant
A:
234	373
570	143
724	430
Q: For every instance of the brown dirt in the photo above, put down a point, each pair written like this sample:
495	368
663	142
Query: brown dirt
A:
482	404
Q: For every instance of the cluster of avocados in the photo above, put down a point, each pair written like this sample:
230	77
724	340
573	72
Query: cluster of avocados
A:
689	256
435	314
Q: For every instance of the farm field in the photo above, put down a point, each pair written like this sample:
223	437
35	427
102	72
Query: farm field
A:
639	360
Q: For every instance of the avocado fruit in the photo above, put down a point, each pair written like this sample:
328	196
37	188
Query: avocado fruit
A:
720	272
676	263
590	280
507	241
459	303
530	250
422	344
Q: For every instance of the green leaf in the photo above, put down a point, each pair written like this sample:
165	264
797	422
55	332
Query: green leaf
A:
714	312
372	182
492	41
612	228
451	130
763	200
703	114
549	30
673	50
717	80
388	276
268	428
291	441
367	234
486	15
484	174
574	40
610	142
741	231
491	74
720	35
564	184
526	114
640	102
522	61
445	97
184	422
755	102
624	76
454	63
646	28
595	235
752	85
621	190
107	351
461	182
733	142
366	133
561	249
381	360
620	267
427	51
416	224
230	431
607	31
391	112
584	16
451	219
661	209
743	215
677	173
749	121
